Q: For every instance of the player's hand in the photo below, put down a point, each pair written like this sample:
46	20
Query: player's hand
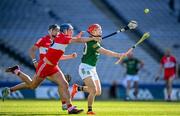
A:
132	24
122	55
74	55
98	39
79	35
127	53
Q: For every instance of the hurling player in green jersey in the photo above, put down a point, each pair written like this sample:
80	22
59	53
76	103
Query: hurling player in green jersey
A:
132	65
87	68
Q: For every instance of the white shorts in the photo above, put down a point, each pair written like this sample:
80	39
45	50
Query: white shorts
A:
131	78
86	70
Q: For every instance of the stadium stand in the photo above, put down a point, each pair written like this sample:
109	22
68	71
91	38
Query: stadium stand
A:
160	22
7	61
26	21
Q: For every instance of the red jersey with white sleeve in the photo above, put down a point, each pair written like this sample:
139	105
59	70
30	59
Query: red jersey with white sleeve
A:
169	65
43	44
57	49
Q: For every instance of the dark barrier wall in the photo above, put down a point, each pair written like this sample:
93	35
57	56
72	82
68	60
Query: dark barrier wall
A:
49	91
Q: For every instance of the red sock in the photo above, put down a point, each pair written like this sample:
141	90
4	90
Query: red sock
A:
69	105
63	102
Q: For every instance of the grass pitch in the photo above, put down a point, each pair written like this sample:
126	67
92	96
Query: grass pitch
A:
102	108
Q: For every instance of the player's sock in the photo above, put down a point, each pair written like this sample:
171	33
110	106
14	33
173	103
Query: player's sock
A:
80	88
169	97
64	105
89	108
63	102
14	69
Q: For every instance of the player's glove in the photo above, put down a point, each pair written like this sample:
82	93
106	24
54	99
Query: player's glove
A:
68	77
132	24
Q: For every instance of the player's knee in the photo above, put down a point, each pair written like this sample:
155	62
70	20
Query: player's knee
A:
93	91
98	93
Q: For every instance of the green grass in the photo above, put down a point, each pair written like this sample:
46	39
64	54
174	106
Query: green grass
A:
102	108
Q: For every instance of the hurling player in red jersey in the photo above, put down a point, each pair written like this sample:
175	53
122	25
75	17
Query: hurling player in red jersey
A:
42	45
48	66
169	65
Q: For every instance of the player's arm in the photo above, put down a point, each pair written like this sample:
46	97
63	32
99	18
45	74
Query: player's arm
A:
104	51
69	56
32	52
84	40
79	39
159	72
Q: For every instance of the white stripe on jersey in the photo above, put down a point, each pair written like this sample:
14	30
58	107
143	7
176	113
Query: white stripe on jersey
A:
42	50
41	68
58	46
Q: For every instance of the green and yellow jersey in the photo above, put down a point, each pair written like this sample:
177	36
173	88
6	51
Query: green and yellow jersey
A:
90	54
131	65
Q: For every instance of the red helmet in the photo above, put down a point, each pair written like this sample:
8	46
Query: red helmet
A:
92	27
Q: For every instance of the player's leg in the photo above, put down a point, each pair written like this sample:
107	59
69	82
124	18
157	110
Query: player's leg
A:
16	70
90	87
97	82
29	83
98	87
34	83
19	86
128	86
63	88
63	100
135	85
169	87
135	89
85	88
90	83
84	72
